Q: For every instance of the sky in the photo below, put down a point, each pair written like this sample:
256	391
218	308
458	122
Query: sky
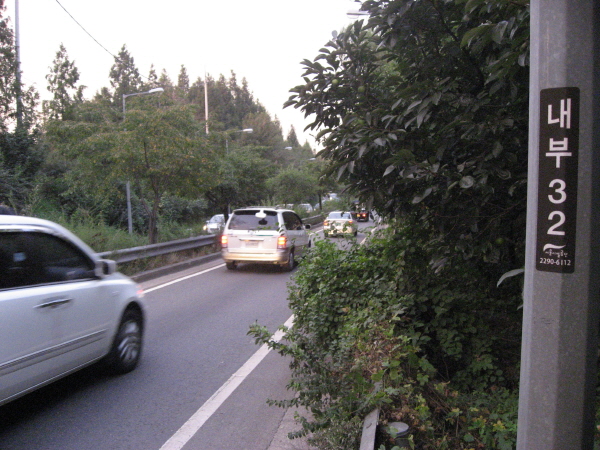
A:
263	41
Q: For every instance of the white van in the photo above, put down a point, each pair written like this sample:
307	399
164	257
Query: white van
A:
264	235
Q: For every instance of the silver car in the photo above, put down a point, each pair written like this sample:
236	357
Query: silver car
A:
61	307
340	222
215	224
264	235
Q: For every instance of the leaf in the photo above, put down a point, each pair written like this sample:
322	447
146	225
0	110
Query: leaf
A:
498	31
389	170
419	198
511	273
467	182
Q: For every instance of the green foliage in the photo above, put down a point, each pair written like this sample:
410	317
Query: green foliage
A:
292	186
423	113
62	83
375	327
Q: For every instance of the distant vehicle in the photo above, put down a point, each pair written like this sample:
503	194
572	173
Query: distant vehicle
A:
215	224
306	206
340	222
62	308
362	215
264	235
331	196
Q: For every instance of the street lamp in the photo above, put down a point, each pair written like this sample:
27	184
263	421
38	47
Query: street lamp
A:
245	130
151	91
354	14
157	90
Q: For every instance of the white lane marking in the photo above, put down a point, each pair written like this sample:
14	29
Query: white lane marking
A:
194	423
187	277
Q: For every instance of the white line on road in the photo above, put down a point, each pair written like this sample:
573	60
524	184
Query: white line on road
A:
187	277
194	423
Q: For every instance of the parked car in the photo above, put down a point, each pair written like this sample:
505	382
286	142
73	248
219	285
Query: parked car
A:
264	235
62	307
340	222
215	224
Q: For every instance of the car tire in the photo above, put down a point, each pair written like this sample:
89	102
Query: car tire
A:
232	265
356	233
127	346
325	234
289	266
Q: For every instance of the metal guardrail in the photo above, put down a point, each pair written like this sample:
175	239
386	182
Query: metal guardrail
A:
148	251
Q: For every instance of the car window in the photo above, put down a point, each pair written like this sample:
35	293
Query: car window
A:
247	220
28	258
292	221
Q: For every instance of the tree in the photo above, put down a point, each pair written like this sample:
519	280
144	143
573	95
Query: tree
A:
161	151
423	113
62	83
293	186
243	174
292	138
124	76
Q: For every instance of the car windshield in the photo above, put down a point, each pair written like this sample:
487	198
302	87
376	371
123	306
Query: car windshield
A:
339	215
247	220
216	219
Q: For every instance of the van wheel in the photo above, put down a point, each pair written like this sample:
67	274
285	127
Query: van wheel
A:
232	265
289	266
127	345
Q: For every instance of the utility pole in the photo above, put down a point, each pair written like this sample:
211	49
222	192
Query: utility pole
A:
562	267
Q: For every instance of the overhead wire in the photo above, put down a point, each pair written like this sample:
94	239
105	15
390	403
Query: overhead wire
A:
95	40
86	31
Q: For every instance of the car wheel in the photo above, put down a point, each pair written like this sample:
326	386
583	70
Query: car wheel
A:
127	345
325	234
231	265
356	233
289	266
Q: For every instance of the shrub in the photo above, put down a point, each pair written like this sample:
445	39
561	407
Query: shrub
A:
375	326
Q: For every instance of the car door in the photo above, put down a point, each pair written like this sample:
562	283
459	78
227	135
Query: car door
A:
87	304
296	231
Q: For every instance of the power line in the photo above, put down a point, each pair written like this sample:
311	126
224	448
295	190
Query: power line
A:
95	40
86	31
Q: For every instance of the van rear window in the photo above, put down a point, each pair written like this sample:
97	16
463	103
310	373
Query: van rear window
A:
247	220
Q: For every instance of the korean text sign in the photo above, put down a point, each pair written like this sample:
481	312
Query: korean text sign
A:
557	182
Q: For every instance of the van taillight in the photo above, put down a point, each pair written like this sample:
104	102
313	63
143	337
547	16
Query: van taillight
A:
281	242
223	241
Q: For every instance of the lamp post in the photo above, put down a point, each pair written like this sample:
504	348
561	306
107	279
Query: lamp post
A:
127	187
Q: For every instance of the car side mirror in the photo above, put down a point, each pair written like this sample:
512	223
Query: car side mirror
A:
105	267
307	226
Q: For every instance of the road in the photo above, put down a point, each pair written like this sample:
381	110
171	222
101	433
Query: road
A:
196	340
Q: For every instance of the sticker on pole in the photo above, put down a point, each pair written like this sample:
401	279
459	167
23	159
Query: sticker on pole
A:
557	181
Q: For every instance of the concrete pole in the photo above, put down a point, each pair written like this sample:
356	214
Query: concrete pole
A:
562	274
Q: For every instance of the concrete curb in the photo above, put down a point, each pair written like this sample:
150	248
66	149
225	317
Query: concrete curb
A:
288	424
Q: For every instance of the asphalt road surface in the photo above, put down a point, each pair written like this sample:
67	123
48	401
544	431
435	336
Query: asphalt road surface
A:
202	383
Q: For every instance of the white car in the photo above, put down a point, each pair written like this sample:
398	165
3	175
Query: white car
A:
215	224
340	222
264	235
61	307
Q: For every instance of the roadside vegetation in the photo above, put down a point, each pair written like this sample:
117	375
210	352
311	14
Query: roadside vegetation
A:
422	109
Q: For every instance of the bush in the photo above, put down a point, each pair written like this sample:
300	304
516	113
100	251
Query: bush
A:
375	326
